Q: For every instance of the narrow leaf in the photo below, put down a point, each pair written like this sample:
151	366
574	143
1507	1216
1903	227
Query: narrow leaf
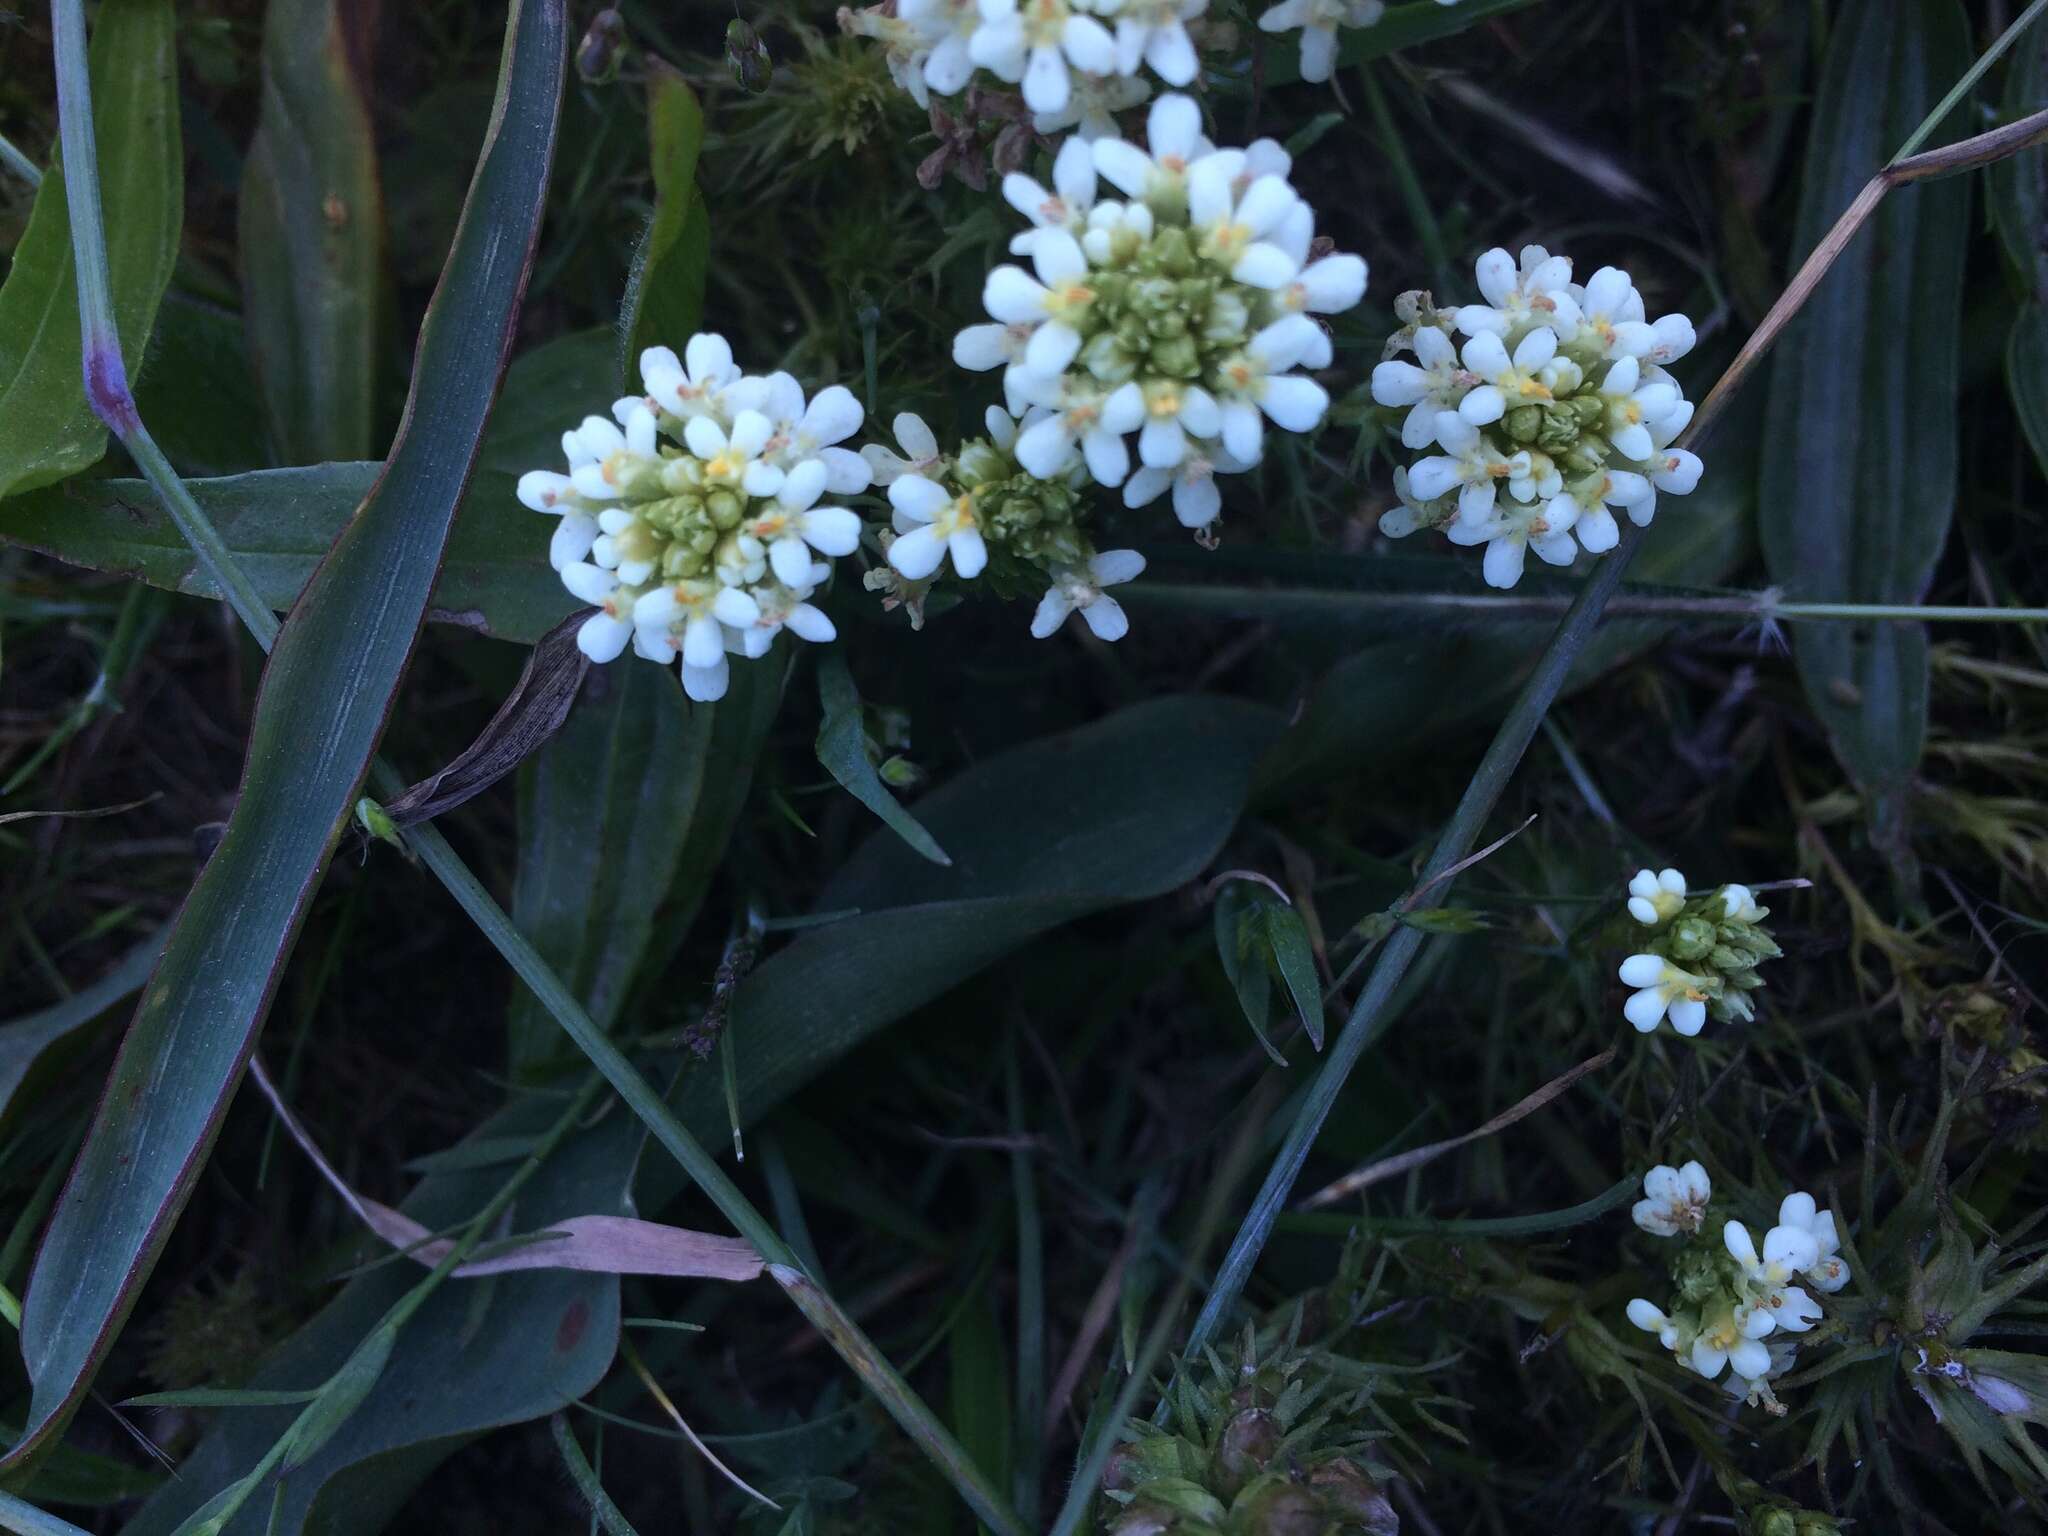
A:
1859	447
47	431
325	694
495	578
1240	949
25	1041
1295	960
312	234
2026	375
530	714
665	289
843	750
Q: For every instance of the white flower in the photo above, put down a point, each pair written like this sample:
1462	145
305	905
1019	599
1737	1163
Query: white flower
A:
1092	105
1173	412
733	458
1470	464
1086	417
1533	291
1154	33
920	450
801	430
1428	385
1508	381
1651	1318
1734	1337
1511	530
1675	1199
1257	380
1663	989
1081	591
1231	225
944	28
1827	1273
1066	207
792	525
685	617
604	634
1738	905
693	385
1607	303
907	45
1318	21
1654	896
1788	1249
1635	406
932	524
1036	41
1181	314
1196	500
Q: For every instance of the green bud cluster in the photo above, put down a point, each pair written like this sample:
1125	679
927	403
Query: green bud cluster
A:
1163	314
1264	1447
1720	949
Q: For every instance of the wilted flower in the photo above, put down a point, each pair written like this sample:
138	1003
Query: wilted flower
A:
1555	412
693	521
1675	1200
1080	590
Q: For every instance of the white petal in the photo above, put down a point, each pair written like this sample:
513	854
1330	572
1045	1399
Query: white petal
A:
587	583
1012	296
707	685
831	530
1294	403
1045	449
1108	458
1046	82
733	606
1264	265
1107	618
601	637
1335	283
1645	1010
704	437
1052	347
541	489
917	554
833	416
917	498
969	552
979	348
1124	165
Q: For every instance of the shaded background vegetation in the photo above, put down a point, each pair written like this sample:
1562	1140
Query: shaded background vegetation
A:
1046	1132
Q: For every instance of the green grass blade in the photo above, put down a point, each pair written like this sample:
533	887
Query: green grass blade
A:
843	752
322	706
311	234
47	430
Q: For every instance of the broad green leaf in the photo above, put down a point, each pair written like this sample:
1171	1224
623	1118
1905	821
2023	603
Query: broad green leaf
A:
2026	375
665	290
1858	482
1240	950
843	750
311	234
495	577
47	431
26	1042
1120	811
1401	25
603	811
324	698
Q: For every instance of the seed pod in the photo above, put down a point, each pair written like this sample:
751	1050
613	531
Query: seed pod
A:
747	56
1243	1450
1349	1492
598	55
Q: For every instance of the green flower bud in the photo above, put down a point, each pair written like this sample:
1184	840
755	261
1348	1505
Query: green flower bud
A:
725	509
747	57
598	55
1690	939
1350	1494
1523	423
1247	1445
377	822
1273	1506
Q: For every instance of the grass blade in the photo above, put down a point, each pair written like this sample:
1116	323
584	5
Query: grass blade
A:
322	706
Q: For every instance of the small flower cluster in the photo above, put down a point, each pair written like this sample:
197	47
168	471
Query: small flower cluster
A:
1731	1299
1702	954
1077	60
1556	410
1179	314
691	519
981	507
1317	21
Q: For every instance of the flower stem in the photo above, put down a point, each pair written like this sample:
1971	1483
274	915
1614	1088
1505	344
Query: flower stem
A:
20	164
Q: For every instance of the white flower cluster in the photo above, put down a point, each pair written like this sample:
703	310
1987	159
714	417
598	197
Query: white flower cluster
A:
1732	1298
1179	314
1556	410
1077	60
1702	955
1318	21
691	519
951	508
